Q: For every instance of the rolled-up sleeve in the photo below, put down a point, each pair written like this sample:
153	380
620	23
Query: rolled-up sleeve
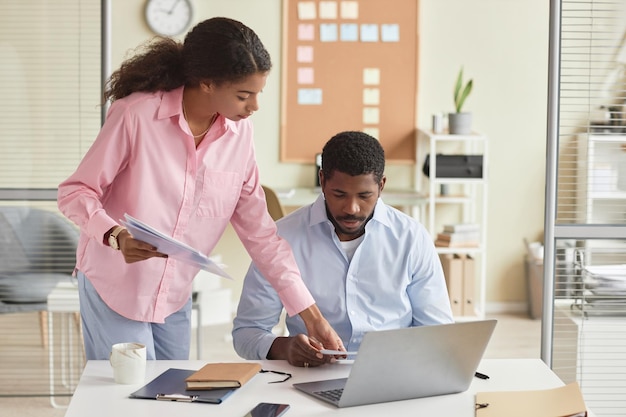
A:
258	313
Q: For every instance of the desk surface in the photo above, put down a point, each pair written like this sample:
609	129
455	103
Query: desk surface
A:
97	395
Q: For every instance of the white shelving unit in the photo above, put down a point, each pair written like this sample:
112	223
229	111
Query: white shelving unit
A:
465	201
602	178
601	184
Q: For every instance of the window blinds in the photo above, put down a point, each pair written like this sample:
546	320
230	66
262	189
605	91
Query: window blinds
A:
50	79
49	116
585	336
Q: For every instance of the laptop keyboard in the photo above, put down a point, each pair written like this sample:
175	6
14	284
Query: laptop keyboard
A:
331	394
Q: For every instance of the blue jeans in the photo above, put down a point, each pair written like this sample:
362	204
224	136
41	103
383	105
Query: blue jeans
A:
103	327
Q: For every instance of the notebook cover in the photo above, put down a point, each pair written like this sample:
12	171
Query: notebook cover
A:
172	381
223	374
562	401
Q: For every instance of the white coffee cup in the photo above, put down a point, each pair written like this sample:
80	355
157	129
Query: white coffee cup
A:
129	363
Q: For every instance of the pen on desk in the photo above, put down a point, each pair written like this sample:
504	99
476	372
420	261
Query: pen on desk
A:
481	376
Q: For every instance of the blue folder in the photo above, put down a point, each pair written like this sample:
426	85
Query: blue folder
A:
170	386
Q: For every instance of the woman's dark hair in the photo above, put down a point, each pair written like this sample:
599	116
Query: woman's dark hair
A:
353	153
221	50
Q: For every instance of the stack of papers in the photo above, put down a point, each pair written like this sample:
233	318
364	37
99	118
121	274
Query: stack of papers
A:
171	247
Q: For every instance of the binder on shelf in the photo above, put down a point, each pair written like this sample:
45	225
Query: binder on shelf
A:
469	286
459	271
453	271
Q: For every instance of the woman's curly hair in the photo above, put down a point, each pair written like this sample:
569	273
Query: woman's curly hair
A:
220	49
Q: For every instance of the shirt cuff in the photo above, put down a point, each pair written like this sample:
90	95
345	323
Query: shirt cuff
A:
99	224
296	298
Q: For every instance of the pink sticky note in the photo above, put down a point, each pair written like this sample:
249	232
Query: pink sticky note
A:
306	32
305	54
305	75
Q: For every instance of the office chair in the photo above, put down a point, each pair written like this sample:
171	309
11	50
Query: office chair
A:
274	207
37	251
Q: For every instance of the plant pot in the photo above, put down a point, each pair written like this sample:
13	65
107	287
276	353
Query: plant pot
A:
460	123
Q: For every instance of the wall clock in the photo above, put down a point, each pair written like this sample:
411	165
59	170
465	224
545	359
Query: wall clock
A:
168	17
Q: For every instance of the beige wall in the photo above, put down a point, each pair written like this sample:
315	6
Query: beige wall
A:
503	46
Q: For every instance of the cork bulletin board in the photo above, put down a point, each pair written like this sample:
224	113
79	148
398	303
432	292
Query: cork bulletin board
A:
349	65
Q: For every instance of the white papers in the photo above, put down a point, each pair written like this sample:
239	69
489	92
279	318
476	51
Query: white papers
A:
171	247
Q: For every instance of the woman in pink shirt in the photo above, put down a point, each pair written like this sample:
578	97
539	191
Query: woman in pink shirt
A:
176	152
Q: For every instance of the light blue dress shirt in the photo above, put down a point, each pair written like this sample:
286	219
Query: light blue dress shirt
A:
394	280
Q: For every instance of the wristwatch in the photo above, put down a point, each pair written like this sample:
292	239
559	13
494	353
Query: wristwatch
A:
113	242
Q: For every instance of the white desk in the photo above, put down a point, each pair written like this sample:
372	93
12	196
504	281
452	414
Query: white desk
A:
97	395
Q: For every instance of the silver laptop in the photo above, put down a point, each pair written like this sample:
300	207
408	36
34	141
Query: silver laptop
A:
408	363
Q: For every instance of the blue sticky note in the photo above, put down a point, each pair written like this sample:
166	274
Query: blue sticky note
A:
328	32
310	96
390	33
349	32
369	32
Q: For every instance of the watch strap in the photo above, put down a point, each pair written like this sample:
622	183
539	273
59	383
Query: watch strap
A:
115	233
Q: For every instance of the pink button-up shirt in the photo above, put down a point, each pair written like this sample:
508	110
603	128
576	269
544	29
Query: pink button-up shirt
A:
144	162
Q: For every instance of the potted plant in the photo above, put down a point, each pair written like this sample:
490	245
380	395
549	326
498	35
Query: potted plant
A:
460	123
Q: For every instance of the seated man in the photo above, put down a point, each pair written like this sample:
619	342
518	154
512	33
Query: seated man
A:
369	266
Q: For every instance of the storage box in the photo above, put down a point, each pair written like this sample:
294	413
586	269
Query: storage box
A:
460	279
456	166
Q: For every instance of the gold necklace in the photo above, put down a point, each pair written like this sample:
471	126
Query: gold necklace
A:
207	129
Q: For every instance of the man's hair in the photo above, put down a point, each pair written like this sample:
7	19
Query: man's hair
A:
353	153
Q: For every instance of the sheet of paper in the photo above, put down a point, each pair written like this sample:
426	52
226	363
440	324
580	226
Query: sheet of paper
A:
171	247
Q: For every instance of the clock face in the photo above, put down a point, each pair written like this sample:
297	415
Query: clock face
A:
168	17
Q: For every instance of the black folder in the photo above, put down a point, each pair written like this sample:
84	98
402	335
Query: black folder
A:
170	386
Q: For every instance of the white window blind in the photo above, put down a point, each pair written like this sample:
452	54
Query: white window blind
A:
586	269
49	116
50	83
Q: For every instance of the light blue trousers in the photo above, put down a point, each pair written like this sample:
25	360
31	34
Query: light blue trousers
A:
103	327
